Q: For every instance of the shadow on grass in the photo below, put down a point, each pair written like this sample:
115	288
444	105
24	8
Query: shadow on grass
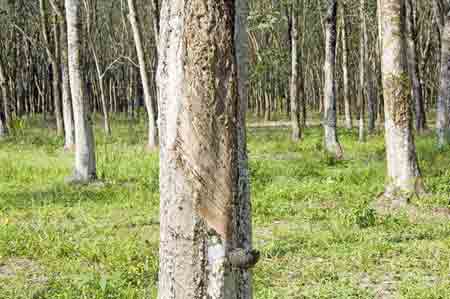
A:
70	195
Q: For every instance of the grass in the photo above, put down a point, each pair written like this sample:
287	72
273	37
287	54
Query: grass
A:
313	223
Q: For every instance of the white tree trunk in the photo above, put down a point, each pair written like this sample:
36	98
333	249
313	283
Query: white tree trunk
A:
203	171
403	175
345	75
85	168
443	101
69	129
149	103
329	122
295	113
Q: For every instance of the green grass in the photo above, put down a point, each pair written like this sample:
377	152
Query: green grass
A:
312	221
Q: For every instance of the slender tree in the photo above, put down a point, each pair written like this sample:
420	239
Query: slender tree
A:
294	101
413	66
54	60
403	174
345	74
4	110
442	13
205	242
69	130
149	103
85	168
329	122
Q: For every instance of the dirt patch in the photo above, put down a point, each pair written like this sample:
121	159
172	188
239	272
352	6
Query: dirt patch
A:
14	268
385	206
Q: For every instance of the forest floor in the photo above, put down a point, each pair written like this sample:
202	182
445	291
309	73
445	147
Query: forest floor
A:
313	223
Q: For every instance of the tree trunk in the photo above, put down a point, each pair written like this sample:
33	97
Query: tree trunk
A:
243	209
53	58
295	115
6	117
331	141
85	168
151	111
413	67
69	130
201	167
443	99
347	101
403	174
362	74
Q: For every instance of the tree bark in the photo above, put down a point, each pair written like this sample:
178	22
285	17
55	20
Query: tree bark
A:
201	137
243	209
85	168
331	140
413	68
69	129
347	101
149	103
362	74
443	100
295	114
403	174
54	62
6	116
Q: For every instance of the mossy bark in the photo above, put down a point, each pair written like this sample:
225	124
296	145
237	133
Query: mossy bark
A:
403	174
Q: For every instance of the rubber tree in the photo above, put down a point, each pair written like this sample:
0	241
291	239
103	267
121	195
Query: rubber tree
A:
54	60
294	94
205	237
85	168
345	74
4	104
69	130
149	103
413	66
332	145
403	173
442	13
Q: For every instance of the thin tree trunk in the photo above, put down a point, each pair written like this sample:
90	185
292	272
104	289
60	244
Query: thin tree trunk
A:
6	118
295	115
85	168
362	74
347	101
443	99
69	129
151	111
413	68
331	140
243	208
200	130
54	62
403	174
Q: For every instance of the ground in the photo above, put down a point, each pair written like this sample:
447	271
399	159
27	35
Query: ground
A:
313	221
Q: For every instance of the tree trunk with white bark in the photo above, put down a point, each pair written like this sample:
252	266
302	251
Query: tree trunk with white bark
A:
403	174
85	168
294	100
205	243
332	145
149	103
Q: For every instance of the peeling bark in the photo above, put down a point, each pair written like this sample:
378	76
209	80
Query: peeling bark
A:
203	173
